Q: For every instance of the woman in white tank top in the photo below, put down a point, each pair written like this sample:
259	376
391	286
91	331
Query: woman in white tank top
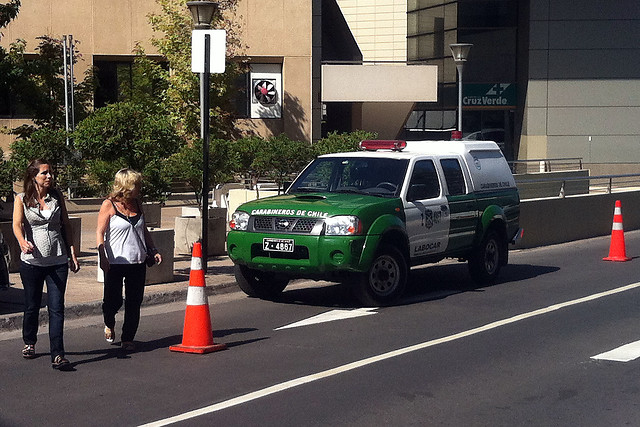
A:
123	244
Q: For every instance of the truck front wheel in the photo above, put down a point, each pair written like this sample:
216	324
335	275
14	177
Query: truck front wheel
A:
485	262
385	281
259	284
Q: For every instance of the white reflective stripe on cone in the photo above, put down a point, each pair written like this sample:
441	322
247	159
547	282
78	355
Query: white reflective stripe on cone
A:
196	296
617	226
196	263
617	211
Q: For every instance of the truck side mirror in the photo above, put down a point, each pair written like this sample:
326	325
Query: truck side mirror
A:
416	192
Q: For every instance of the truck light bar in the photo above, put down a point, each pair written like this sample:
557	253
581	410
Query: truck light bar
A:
390	144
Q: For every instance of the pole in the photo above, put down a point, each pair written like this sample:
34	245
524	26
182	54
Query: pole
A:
459	68
204	132
71	84
66	94
66	85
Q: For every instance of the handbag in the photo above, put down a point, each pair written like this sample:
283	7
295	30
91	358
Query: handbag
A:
150	260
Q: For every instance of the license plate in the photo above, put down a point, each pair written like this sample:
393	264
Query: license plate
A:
278	245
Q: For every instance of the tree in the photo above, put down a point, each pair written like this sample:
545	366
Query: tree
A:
127	134
6	177
336	142
51	145
8	12
37	84
283	158
182	98
186	165
276	158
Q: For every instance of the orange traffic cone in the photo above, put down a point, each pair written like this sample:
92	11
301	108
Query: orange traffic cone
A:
617	251
197	336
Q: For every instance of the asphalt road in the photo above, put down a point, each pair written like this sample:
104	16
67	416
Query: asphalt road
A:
519	352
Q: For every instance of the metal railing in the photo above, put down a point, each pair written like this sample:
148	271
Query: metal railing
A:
565	186
546	165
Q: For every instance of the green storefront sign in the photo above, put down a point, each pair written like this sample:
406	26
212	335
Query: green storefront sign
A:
489	95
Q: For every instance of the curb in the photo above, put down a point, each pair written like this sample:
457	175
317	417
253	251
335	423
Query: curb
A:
77	311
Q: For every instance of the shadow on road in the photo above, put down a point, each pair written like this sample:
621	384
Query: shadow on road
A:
425	284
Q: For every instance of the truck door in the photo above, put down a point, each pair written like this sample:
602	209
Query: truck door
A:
426	210
463	211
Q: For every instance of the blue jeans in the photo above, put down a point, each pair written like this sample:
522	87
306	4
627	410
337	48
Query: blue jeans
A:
133	277
33	279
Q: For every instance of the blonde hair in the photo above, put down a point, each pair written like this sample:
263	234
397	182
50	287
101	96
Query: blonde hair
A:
126	180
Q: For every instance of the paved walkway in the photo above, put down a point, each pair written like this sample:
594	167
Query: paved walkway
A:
84	292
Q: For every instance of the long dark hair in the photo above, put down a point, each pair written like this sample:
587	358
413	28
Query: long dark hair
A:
30	189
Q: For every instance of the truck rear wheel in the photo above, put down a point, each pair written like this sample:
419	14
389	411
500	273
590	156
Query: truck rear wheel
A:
485	262
259	284
386	280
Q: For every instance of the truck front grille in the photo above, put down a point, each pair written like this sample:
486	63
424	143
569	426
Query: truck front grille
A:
285	224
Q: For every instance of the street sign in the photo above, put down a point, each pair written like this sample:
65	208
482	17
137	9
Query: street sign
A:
489	95
217	50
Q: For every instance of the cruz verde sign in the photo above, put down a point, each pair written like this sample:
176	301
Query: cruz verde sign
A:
489	95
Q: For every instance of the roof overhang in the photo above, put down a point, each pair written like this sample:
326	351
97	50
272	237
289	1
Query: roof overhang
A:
379	83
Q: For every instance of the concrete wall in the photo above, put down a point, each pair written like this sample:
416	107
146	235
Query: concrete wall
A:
556	220
100	28
533	190
583	94
379	27
280	31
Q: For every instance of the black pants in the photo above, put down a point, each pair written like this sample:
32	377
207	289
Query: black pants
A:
133	277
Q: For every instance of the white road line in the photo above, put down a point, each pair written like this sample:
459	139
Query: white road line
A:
625	353
331	316
384	356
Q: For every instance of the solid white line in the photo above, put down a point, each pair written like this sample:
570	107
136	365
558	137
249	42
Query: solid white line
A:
625	353
368	361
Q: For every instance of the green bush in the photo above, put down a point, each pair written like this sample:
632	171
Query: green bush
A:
125	134
336	142
186	165
278	158
51	145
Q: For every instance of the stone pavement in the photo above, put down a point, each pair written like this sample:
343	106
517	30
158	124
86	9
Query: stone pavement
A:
84	293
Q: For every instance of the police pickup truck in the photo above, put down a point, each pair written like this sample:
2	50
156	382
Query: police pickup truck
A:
364	218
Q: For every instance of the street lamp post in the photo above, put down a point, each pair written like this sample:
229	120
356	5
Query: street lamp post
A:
460	51
202	13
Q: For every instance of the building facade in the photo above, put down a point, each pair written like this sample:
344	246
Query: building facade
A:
547	78
555	78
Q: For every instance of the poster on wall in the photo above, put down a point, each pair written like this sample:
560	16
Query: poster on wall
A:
266	91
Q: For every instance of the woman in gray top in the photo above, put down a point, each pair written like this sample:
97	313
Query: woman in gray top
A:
41	226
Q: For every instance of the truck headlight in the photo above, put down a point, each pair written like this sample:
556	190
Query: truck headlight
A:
239	221
344	225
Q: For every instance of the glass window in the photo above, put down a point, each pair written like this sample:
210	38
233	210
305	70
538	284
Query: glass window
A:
453	176
110	75
359	175
424	182
488	13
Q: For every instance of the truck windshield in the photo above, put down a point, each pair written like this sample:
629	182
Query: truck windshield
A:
361	175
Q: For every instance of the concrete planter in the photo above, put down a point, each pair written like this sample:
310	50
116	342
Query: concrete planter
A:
189	230
240	196
152	214
163	238
6	228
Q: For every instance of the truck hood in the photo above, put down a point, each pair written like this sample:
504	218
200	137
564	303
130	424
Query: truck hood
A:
320	205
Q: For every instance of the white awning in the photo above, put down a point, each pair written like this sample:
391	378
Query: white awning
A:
379	83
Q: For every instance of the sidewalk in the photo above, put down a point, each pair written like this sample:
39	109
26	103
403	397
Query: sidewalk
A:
84	293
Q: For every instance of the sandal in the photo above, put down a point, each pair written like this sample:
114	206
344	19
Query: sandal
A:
109	334
29	351
60	363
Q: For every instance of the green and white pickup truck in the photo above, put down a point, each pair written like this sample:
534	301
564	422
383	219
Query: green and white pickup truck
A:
364	218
